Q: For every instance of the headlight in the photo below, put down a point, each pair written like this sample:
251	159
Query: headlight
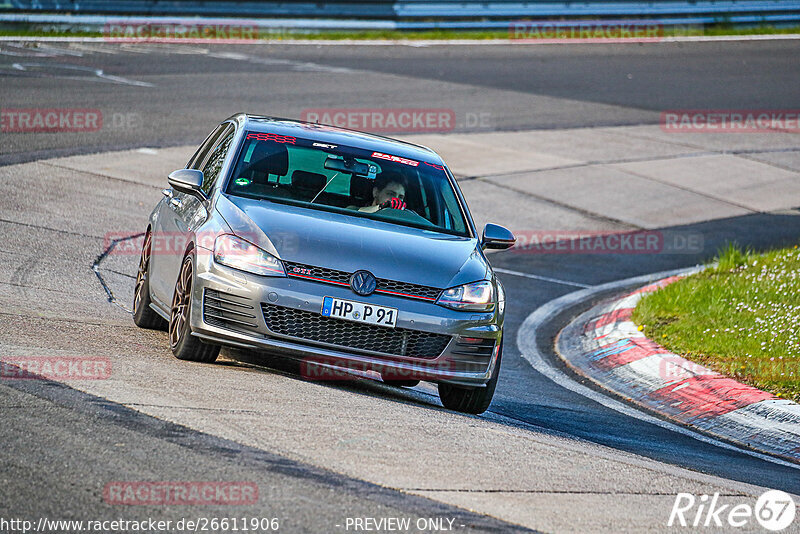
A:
240	254
477	296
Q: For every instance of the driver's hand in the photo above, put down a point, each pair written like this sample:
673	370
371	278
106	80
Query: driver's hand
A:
394	203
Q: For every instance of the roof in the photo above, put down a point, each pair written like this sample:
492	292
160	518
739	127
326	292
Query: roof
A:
339	136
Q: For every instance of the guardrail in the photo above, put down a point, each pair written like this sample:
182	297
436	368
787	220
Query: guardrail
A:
407	14
239	8
421	8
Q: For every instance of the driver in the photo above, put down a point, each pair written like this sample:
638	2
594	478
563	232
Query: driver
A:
389	192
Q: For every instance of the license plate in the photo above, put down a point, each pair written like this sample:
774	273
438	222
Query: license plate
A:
359	312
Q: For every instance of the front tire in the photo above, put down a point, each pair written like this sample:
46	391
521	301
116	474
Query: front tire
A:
471	400
183	344
143	315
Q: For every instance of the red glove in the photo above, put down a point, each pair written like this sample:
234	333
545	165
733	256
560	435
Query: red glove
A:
394	203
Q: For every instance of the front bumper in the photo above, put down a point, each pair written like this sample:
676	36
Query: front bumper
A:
230	307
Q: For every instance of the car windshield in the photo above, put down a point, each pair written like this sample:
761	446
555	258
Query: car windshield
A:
348	180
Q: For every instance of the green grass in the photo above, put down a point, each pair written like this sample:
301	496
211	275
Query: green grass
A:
401	35
740	318
766	29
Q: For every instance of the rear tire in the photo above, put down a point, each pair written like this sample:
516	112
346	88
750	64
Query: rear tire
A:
184	345
143	315
471	400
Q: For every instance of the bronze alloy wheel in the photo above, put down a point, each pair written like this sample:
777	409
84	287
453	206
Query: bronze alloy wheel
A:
179	314
184	345
144	316
141	276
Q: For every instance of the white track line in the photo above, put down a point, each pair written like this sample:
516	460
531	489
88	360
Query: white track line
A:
542	278
99	73
526	342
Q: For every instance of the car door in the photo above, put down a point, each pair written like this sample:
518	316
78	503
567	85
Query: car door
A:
177	214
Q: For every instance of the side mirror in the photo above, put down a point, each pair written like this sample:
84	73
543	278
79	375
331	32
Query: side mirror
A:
497	237
188	181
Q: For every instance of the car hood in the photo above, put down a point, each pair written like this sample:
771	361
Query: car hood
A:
345	243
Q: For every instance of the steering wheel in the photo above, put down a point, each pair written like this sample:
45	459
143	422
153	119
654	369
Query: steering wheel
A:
393	203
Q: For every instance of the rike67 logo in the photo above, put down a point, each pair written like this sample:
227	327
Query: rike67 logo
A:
774	510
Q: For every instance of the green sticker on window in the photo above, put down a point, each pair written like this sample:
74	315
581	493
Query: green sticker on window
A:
242	181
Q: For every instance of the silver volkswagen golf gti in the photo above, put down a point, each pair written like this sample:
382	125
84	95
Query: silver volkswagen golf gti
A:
352	253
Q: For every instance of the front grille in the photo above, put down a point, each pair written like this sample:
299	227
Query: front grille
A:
228	311
342	278
329	275
472	354
404	289
348	335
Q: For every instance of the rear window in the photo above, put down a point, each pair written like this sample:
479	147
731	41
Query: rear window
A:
348	180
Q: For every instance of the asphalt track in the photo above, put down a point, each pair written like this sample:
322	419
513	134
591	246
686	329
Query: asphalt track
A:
595	468
541	86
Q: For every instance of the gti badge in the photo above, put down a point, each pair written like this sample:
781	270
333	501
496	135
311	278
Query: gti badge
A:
363	283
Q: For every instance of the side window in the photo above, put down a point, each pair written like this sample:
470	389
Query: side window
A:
215	160
200	155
